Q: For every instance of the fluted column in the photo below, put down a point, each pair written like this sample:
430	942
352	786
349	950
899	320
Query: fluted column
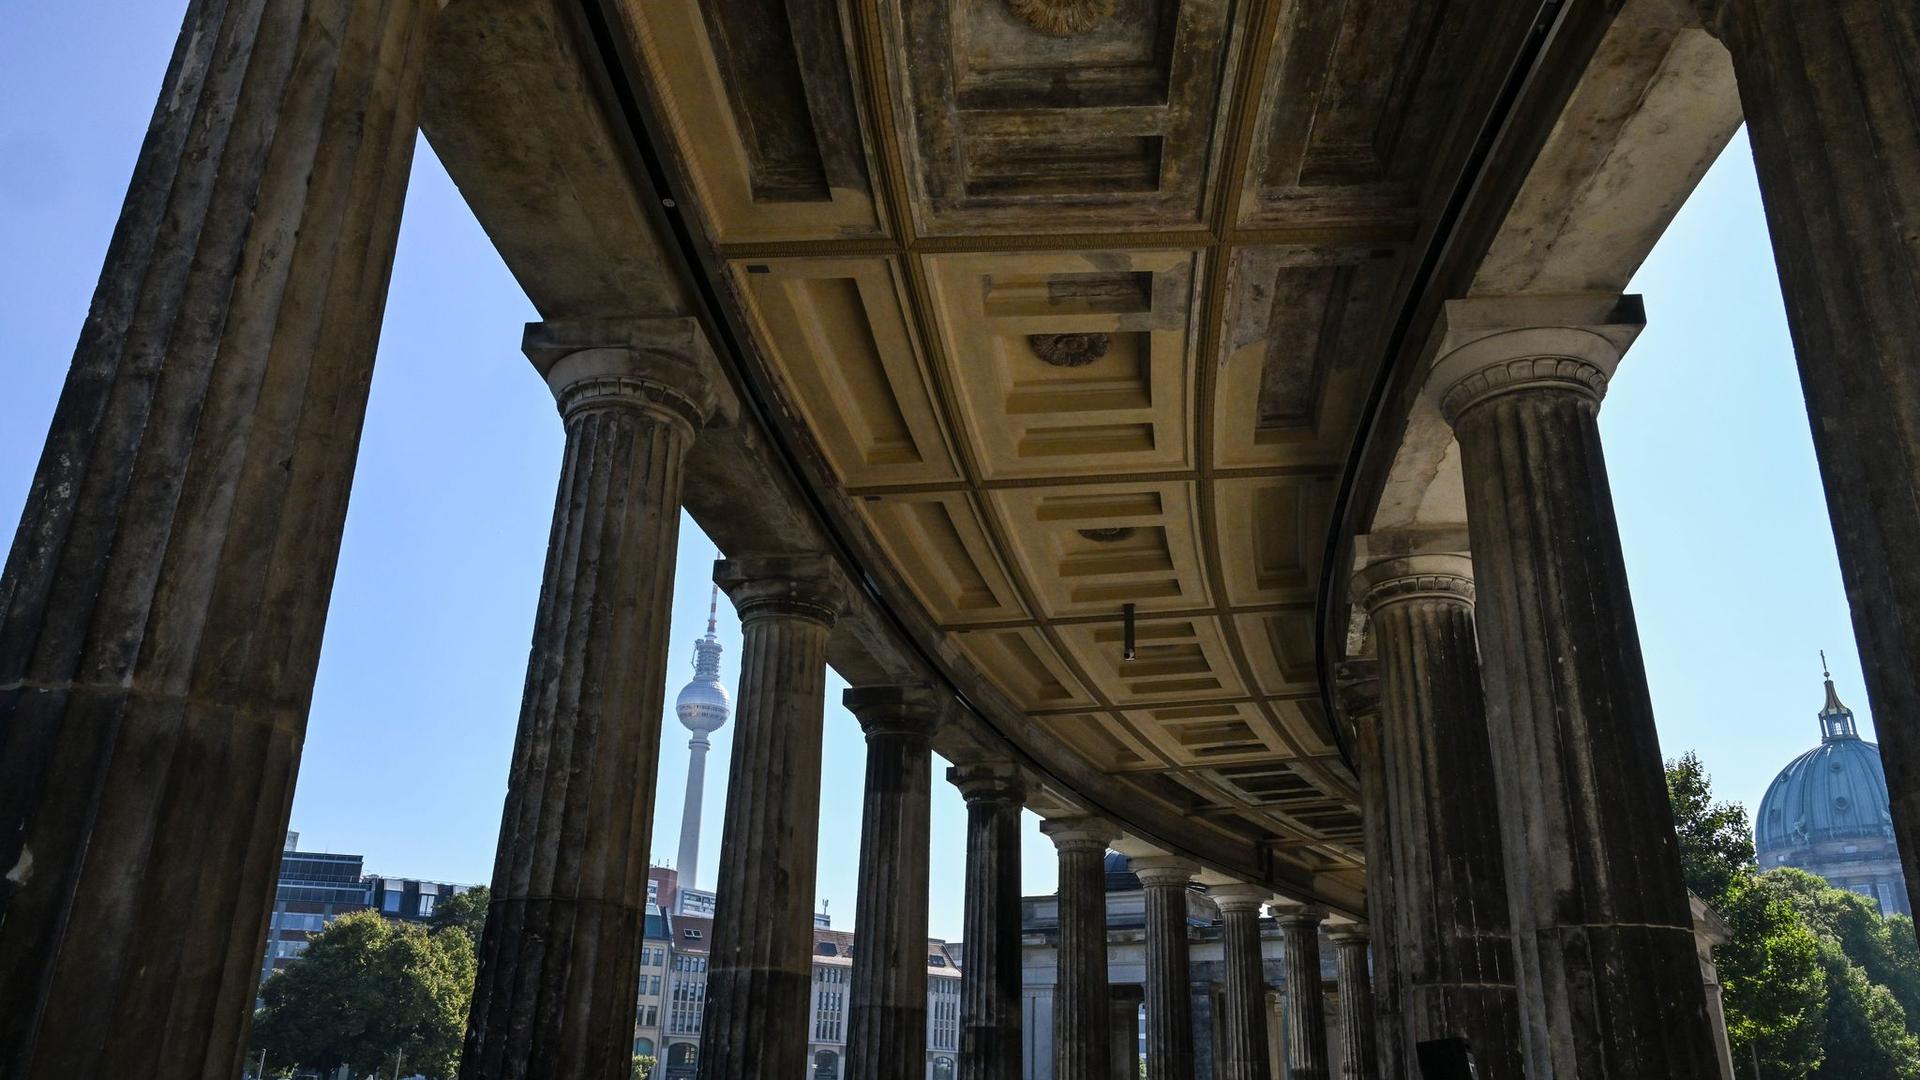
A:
887	1022
1450	926
1080	996
162	606
1169	990
1306	1010
1123	1031
1832	100
1243	1050
558	975
760	968
1359	1058
1606	978
990	1008
1360	693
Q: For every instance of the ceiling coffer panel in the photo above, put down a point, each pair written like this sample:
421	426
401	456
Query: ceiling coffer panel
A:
1062	114
848	353
1071	364
765	105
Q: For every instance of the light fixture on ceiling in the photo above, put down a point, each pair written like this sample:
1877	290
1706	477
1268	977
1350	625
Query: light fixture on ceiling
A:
1126	616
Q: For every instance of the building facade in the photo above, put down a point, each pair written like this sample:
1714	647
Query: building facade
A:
317	887
1828	813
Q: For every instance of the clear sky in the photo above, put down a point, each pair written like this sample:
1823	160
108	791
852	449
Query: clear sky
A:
1735	581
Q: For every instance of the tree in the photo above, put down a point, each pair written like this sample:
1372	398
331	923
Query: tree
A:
367	993
643	1066
1770	970
467	911
1716	842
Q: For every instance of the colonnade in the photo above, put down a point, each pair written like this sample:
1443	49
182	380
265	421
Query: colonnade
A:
162	607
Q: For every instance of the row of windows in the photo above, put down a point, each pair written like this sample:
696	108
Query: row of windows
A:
829	1015
291	920
649	1016
653	956
650	984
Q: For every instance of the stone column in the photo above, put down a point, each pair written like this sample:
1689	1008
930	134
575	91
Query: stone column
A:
887	1021
760	970
1360	692
1243	1045
162	606
990	1008
1123	1060
1832	102
1080	998
558	975
1306	1013
1169	991
1454	958
1605	973
1359	1058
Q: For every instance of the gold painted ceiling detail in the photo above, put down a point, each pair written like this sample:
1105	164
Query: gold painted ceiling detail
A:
1062	17
1074	322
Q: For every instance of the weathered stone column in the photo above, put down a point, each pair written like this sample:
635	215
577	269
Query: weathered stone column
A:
1450	927
887	1021
1832	100
1605	971
990	1008
162	606
1243	1048
1123	1029
1306	1012
760	970
1359	1058
1080	997
1169	990
558	974
1360	693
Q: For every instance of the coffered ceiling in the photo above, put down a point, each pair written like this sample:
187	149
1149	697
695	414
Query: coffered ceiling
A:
1077	304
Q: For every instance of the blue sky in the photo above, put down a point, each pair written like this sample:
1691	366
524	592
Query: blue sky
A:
1735	581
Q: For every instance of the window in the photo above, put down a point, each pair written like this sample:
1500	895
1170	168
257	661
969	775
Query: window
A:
426	904
390	903
692	934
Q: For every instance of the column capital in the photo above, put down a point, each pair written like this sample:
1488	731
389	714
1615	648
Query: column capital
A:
1288	913
1238	896
1164	870
1414	577
660	364
990	781
908	709
1498	345
1080	833
798	586
1350	934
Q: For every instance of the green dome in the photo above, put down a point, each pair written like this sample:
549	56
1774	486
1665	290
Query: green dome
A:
1837	791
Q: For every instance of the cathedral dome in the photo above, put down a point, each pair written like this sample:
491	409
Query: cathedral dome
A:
1835	792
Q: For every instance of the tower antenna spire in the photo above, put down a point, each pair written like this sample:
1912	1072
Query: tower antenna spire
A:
713	605
1824	672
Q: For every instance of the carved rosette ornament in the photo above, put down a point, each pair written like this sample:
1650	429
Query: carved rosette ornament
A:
1062	18
1068	350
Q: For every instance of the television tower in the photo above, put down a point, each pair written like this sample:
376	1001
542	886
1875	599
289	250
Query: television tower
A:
703	707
